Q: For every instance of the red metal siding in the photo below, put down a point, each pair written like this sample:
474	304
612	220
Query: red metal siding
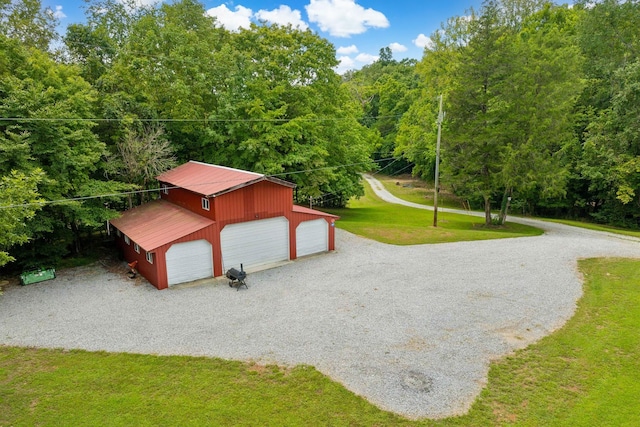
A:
259	201
190	201
149	271
273	199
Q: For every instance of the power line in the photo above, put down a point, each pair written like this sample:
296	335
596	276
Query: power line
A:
410	165
208	120
394	160
126	193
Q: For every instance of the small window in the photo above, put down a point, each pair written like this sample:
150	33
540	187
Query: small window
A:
205	203
165	189
136	247
150	257
118	233
126	239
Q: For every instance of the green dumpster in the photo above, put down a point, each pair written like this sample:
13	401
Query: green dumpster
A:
38	275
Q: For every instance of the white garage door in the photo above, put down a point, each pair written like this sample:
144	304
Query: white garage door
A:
255	243
189	261
312	237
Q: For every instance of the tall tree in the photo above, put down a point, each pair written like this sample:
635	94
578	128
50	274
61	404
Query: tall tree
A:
168	69
609	36
45	109
95	44
18	203
384	91
140	157
29	22
613	147
416	137
283	110
471	147
510	104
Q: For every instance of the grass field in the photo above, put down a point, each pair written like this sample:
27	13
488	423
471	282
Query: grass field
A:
417	191
585	374
414	190
371	217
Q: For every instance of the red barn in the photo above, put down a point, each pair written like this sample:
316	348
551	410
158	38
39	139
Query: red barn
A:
212	218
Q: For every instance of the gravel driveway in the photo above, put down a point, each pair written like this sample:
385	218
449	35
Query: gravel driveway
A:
411	328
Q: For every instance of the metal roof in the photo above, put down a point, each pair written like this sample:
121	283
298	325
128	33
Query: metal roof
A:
157	223
213	180
302	209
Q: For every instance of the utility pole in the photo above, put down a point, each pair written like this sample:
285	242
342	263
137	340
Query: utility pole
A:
436	189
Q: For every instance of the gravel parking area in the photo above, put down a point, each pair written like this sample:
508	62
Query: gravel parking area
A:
412	329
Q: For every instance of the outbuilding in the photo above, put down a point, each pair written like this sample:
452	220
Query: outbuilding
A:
211	218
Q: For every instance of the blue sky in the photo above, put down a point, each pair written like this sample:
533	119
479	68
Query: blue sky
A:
357	28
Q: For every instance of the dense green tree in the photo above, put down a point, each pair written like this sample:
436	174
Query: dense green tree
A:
384	90
536	108
416	137
472	148
510	77
29	22
609	36
95	44
612	150
283	110
18	203
167	69
43	125
140	157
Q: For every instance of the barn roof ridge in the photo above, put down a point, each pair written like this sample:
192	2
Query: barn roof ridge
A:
214	180
225	167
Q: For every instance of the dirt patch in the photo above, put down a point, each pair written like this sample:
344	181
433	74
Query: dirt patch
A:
407	180
415	344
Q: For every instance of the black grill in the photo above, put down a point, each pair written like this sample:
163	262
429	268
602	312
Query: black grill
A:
237	277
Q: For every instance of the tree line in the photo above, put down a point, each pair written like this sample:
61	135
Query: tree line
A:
133	91
541	105
541	110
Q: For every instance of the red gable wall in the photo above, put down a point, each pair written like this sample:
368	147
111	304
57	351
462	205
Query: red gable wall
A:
258	201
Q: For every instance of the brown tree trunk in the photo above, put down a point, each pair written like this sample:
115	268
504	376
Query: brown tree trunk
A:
506	202
487	210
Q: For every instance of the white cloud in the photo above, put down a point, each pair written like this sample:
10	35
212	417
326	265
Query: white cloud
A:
139	3
423	41
366	58
346	50
346	64
397	47
59	14
282	16
232	20
343	18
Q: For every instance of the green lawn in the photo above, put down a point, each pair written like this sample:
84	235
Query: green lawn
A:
585	374
371	217
416	191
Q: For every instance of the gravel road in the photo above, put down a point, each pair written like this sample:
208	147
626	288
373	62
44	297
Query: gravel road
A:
411	328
